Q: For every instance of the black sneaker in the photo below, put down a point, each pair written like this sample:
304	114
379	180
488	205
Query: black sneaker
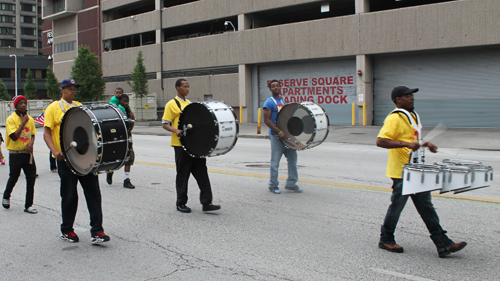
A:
71	237
210	207
6	203
128	184
183	209
109	178
99	238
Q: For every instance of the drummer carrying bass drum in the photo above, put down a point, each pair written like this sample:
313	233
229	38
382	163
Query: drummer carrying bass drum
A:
185	163
272	106
90	182
400	135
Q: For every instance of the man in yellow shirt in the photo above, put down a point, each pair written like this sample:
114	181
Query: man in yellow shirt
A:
20	129
90	182
185	163
401	137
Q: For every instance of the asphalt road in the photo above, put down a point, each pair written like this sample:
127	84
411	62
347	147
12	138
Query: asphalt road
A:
329	232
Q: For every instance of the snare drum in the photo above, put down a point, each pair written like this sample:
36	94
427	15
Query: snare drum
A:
419	178
101	136
455	177
481	177
305	125
210	128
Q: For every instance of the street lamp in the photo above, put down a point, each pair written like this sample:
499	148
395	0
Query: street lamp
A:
226	23
15	58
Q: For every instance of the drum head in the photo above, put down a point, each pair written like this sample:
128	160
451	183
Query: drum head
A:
204	134
297	124
77	126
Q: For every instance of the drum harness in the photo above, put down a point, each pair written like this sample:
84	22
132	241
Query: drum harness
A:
418	155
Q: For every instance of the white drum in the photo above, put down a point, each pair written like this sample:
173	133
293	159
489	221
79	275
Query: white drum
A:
210	128
419	178
305	125
455	177
481	177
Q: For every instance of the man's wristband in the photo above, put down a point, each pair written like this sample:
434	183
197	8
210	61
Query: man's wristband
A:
280	132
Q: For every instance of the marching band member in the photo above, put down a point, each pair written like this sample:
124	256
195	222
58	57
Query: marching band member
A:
185	163
400	135
90	182
20	130
272	106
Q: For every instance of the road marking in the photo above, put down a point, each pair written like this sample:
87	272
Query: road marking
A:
397	274
328	183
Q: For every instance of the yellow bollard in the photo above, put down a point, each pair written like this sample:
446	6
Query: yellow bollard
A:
353	114
259	118
364	114
241	114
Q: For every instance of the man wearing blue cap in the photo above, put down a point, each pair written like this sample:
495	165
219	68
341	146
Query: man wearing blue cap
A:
90	182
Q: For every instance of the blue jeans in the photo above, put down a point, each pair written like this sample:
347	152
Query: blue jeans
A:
277	150
422	202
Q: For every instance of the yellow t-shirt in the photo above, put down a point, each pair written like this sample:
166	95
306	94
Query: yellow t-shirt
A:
172	114
11	125
53	118
397	127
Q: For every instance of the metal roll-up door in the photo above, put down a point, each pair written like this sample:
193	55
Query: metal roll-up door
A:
329	83
458	88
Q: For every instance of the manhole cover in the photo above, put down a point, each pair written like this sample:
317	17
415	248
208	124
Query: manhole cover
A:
258	165
155	183
357	133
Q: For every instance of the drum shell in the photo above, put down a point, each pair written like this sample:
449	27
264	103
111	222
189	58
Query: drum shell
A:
214	129
419	178
103	132
313	120
455	177
481	177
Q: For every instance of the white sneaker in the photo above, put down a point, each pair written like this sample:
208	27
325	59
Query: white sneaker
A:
31	210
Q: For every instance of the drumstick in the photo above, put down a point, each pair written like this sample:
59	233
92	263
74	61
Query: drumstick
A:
189	126
71	145
439	129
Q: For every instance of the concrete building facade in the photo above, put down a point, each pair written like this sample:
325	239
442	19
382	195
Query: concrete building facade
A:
334	53
21	41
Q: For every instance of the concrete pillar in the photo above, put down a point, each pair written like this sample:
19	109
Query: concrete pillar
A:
245	91
244	22
362	6
364	85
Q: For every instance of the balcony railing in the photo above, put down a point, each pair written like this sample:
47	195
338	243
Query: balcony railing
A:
54	8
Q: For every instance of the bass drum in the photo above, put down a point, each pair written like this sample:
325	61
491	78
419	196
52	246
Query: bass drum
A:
305	125
210	128
101	136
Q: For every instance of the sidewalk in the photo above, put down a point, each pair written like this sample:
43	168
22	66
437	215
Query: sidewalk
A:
466	138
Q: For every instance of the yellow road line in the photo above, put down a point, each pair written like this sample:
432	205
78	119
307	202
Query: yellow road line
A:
328	183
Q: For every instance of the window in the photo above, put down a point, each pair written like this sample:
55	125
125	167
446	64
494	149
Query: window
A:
28	19
7	19
28	43
27	31
28	7
4	73
7	43
8	7
64	47
7	31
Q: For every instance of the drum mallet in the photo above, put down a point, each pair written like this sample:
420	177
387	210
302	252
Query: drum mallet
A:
187	127
71	145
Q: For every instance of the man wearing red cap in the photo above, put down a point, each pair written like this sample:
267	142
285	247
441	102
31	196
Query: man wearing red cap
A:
401	134
90	182
21	131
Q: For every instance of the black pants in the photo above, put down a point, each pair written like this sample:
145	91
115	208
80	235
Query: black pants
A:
16	163
69	196
52	162
187	165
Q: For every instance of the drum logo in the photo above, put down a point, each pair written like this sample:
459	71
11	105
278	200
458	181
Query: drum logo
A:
225	129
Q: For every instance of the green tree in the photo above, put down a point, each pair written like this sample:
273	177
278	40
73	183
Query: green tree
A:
139	84
53	90
4	93
87	72
30	87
